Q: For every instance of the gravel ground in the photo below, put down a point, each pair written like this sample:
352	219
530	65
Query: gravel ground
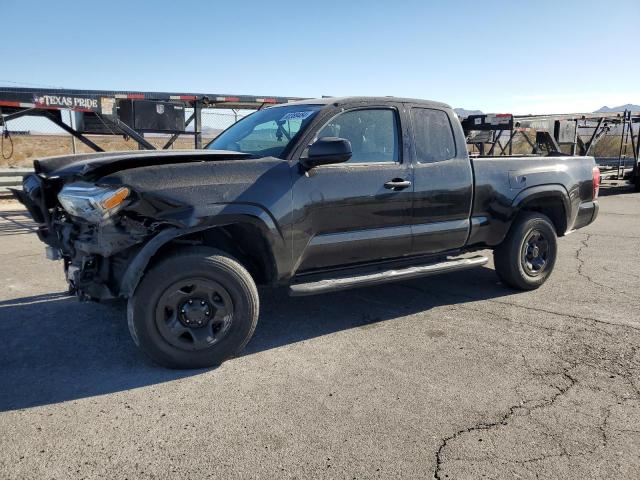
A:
447	377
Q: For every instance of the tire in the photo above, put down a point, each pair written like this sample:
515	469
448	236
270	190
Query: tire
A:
194	309
518	263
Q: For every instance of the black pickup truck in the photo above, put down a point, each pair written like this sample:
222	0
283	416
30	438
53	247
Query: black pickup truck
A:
315	196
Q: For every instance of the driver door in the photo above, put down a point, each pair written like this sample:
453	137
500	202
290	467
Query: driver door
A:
357	211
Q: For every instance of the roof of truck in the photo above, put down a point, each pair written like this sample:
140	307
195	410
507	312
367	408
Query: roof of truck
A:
343	100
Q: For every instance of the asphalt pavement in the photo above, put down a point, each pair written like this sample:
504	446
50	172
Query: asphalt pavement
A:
451	377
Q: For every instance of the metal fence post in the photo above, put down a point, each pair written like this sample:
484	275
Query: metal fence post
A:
197	125
72	124
620	164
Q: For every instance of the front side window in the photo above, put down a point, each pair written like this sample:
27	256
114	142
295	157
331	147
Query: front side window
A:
433	136
266	133
373	134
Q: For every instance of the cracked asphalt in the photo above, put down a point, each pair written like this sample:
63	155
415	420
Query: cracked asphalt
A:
449	377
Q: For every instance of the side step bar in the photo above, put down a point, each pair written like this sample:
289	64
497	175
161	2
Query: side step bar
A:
343	282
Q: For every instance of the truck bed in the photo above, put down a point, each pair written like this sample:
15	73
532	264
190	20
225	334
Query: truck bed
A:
500	182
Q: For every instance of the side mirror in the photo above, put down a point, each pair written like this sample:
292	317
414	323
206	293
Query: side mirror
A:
327	150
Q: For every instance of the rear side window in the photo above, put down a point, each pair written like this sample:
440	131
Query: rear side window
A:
373	134
433	136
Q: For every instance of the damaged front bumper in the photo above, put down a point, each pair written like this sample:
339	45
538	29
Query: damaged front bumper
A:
95	255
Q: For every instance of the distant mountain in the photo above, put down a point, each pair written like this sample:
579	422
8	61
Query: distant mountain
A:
461	112
621	108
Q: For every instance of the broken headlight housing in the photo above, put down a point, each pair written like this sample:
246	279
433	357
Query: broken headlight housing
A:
92	203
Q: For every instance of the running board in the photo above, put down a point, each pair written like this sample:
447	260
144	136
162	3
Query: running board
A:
362	280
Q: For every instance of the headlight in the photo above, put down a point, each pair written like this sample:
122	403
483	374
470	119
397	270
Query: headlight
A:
91	202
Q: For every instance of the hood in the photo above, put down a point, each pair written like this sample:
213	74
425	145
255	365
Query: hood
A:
94	165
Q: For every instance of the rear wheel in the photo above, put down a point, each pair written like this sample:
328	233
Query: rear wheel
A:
526	257
194	309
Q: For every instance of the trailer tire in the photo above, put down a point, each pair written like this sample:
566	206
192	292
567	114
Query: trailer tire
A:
194	309
526	257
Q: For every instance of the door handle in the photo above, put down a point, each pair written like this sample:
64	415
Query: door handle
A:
397	184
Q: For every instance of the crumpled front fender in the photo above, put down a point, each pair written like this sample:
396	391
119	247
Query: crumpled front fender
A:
215	216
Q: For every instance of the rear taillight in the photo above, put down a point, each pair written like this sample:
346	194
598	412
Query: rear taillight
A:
596	182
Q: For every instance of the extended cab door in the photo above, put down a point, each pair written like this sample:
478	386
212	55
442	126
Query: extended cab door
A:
443	181
360	210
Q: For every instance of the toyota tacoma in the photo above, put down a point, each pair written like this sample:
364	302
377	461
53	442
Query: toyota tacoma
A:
315	196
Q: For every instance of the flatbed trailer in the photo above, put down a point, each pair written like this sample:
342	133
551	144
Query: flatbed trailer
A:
107	107
548	134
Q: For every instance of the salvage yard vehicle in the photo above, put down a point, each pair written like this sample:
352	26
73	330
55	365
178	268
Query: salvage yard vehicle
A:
315	196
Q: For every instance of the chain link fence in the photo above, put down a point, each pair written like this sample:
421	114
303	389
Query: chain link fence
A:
31	137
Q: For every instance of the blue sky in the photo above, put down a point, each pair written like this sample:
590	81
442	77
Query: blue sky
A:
499	56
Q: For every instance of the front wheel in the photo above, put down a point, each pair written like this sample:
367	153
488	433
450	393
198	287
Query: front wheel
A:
194	309
526	257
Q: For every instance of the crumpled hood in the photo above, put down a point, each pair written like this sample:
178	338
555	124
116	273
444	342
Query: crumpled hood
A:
94	165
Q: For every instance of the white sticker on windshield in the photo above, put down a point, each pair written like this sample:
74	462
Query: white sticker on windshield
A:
296	115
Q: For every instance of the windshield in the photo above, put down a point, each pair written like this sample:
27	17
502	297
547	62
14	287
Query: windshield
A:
266	133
